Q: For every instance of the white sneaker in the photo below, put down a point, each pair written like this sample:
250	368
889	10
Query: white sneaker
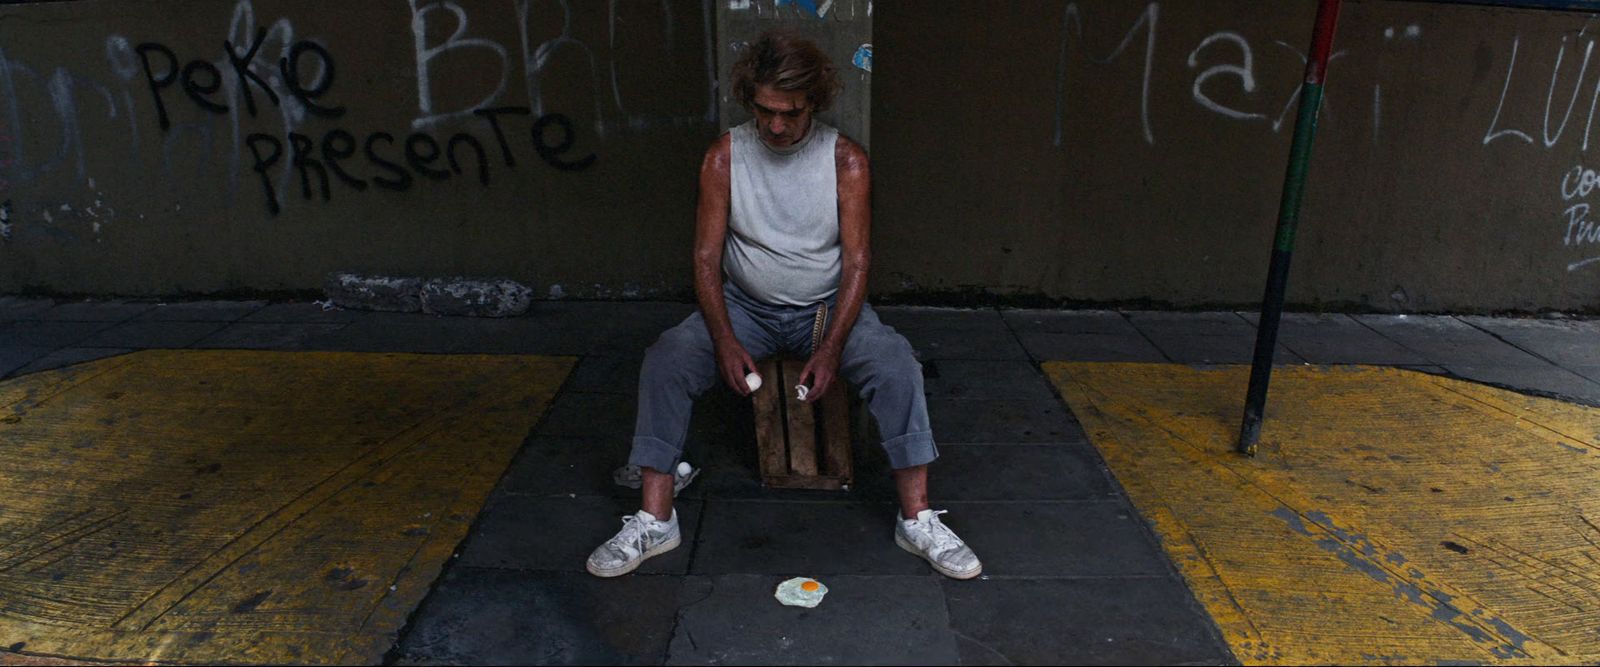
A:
928	537
642	537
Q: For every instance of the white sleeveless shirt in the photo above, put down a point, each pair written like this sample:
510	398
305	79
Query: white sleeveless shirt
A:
782	245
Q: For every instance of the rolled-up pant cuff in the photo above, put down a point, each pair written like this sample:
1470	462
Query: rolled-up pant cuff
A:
654	453
911	449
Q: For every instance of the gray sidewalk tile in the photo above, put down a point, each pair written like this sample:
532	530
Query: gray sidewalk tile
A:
606	374
564	467
1447	341
993	343
1338	339
953	333
50	334
200	311
558	534
1003	421
23	308
1564	342
649	315
414	333
153	334
630	328
1018	472
1186	348
1068	321
1056	346
1545	379
599	327
590	415
302	312
923	317
1211	323
14	358
1591	372
734	620
70	356
271	336
1057	539
95	311
961	378
791	538
496	617
1144	621
569	335
719	418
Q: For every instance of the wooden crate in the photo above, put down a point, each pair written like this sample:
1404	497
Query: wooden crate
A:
802	446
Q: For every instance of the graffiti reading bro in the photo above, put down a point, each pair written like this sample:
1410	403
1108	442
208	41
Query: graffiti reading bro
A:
317	161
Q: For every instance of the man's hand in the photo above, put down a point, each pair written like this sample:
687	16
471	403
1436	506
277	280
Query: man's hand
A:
819	373
734	363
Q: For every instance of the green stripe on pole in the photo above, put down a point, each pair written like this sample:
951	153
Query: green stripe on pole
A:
1305	131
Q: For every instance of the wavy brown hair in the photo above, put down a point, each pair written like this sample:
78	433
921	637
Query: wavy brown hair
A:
785	61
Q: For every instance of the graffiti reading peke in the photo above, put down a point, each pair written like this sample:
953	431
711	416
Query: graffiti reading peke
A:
356	161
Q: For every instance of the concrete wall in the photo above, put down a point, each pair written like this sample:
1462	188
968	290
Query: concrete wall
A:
1092	150
1107	150
123	179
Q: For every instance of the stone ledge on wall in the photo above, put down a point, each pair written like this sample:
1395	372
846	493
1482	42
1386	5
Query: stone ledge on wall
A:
457	295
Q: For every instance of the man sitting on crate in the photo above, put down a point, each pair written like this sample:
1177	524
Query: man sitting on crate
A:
781	252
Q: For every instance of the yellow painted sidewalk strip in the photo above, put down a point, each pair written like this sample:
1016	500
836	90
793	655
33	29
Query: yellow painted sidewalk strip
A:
246	507
1390	516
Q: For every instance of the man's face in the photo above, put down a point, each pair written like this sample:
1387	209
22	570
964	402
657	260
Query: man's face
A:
783	116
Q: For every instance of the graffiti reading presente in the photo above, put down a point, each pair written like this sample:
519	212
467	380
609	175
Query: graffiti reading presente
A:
392	163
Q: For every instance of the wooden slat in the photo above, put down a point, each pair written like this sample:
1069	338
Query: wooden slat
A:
835	414
770	440
802	423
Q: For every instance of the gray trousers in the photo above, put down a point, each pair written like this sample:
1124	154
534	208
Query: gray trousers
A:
682	365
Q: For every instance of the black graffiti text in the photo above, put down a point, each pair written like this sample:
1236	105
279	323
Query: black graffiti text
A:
391	163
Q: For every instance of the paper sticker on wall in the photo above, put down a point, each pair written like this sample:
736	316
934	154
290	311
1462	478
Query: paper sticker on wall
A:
863	58
810	6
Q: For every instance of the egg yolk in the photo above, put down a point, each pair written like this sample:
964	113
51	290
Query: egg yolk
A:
810	586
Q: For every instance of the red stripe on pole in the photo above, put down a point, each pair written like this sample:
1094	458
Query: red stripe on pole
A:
1322	41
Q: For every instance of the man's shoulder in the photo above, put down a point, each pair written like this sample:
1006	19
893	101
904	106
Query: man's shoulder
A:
849	156
719	154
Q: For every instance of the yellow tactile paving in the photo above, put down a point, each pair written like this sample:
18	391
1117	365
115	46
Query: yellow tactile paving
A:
1389	517
234	506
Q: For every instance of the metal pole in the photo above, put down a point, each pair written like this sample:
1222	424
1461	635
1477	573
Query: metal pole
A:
1305	130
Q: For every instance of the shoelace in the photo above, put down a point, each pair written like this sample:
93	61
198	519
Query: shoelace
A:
941	534
632	534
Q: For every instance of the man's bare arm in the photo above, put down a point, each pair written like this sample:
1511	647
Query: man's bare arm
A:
855	247
710	231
